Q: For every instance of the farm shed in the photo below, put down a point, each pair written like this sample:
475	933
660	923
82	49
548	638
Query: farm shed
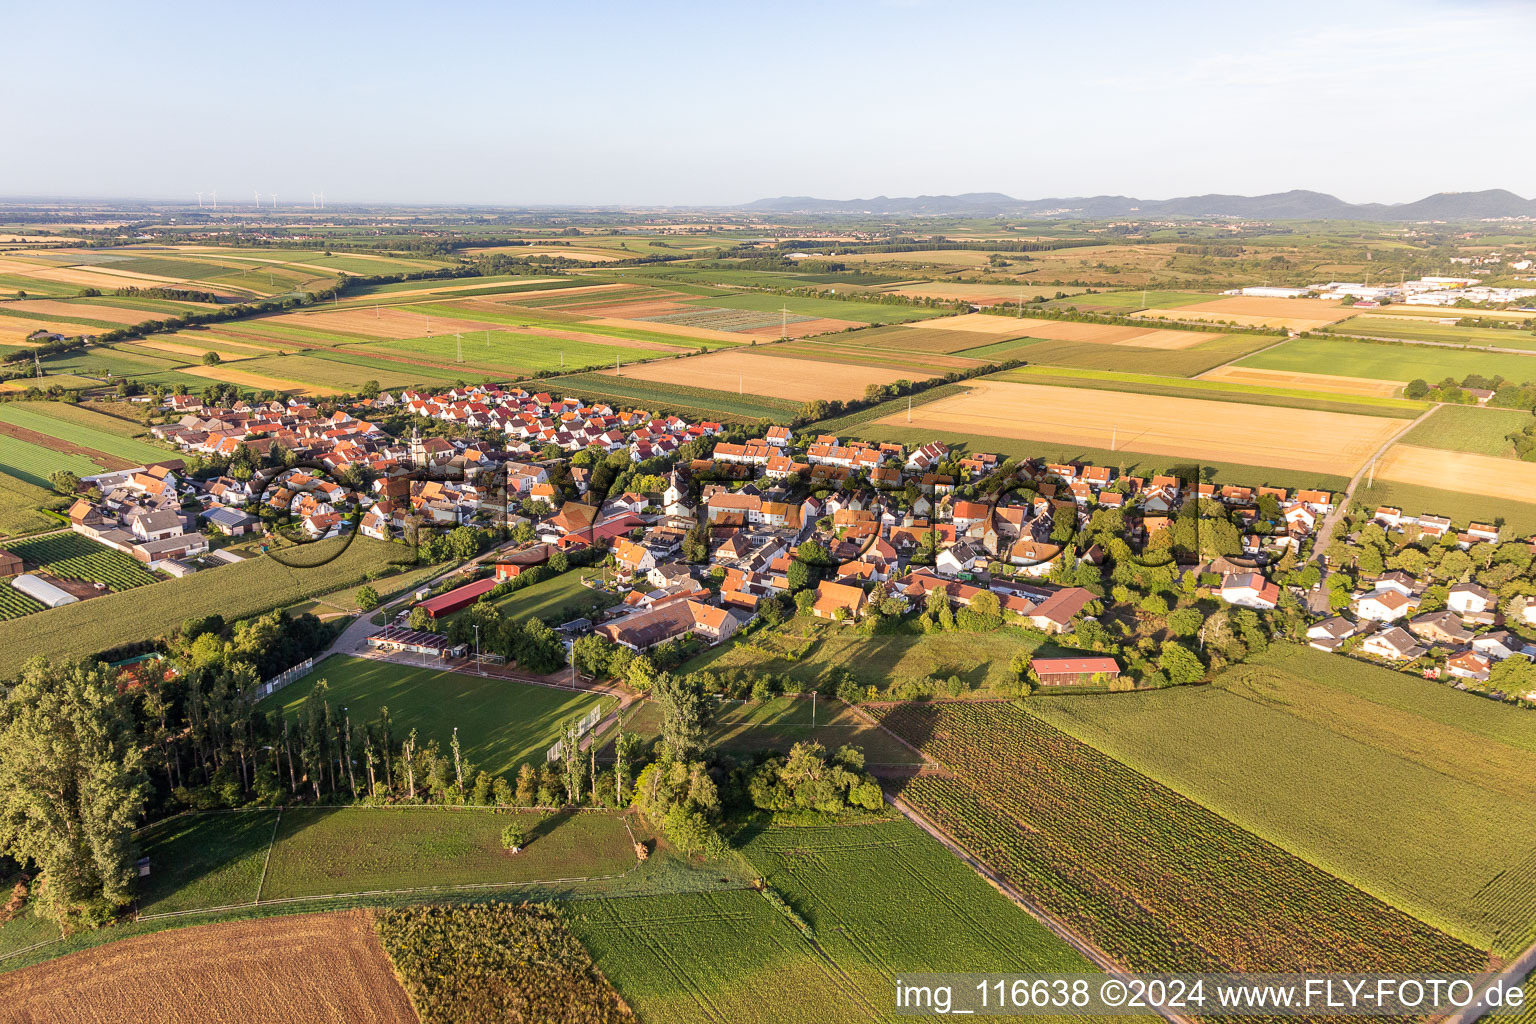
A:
40	589
10	563
457	598
1067	671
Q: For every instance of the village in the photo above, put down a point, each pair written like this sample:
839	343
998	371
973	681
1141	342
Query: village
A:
703	529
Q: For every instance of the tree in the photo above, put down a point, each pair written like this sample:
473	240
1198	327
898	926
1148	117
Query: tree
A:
367	598
1180	663
422	619
72	784
1184	621
210	358
64	482
1417	388
805	600
684	714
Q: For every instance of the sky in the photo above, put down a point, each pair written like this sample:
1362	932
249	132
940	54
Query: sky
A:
722	103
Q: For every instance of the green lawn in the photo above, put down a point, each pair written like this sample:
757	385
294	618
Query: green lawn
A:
501	723
510	352
1409	790
199	861
981	659
1385	361
555	601
680	398
237	591
1469	428
347	850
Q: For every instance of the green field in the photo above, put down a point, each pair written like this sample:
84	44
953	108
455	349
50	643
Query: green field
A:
513	353
712	957
980	659
688	401
1214	390
885	899
20	501
1133	299
780	723
72	556
32	463
228	859
1386	361
1427	330
555	601
832	309
83	428
501	723
237	591
1188	362
1469	428
1407	789
324	851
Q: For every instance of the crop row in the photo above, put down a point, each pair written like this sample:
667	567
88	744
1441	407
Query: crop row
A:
14	604
72	556
1155	880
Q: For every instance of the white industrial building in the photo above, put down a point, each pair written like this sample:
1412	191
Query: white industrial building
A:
39	589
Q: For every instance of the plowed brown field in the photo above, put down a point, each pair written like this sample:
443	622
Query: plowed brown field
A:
306	969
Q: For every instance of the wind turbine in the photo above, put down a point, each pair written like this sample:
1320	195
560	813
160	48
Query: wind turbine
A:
317	200
215	199
274	200
199	200
256	199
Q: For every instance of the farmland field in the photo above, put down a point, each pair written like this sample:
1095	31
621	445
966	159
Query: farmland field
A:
20	501
908	339
980	659
227	973
780	723
1490	476
1330	382
1112	334
555	601
501	723
237	591
1155	880
518	353
1286	745
1218	349
1461	507
709	957
832	309
1468	428
75	557
802	380
1386	361
841	881
82	428
1253	311
323	851
654	395
1135	299
32	463
1422	329
1322	442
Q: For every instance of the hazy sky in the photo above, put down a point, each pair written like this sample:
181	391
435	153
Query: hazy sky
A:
716	103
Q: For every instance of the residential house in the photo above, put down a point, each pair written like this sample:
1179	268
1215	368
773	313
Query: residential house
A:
1442	627
833	596
1469	664
1330	634
1249	590
1073	671
1384	605
1395	644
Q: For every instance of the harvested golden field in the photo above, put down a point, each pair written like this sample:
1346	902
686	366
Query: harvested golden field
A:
984	323
749	373
1255	311
1187	428
1309	381
305	969
100	277
378	322
1447	313
255	380
1461	472
430	289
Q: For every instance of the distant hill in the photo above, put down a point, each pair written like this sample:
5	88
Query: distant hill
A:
1297	204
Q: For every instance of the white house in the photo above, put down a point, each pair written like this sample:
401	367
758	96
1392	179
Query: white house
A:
1249	590
1328	634
1395	644
1384	605
1468	599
